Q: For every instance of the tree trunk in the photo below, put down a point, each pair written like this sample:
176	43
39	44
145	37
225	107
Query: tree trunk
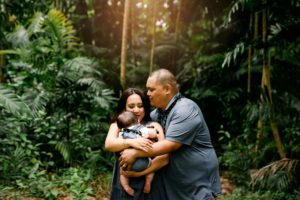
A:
153	30
259	134
83	24
132	21
256	21
250	54
177	23
124	44
266	85
260	123
1	68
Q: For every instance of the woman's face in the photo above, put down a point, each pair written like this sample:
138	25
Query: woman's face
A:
134	104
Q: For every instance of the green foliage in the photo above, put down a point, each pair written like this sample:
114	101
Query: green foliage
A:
54	106
231	57
55	102
72	182
243	193
238	160
12	103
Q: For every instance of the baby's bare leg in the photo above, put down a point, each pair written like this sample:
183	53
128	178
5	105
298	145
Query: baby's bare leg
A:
125	184
148	181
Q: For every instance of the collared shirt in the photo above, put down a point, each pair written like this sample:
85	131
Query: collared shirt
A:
193	170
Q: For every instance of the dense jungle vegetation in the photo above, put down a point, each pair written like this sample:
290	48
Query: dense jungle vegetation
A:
63	64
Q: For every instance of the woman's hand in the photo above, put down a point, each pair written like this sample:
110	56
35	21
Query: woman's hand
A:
127	158
140	143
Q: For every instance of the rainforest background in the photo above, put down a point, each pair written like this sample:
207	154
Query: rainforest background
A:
64	63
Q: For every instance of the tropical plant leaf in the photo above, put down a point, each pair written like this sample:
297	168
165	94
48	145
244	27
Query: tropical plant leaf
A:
36	100
58	25
279	170
80	65
96	85
64	149
105	98
231	56
12	103
36	23
19	38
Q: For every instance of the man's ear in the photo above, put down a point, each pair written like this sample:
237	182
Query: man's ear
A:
168	88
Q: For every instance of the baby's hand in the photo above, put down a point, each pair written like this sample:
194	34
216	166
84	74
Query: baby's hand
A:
152	133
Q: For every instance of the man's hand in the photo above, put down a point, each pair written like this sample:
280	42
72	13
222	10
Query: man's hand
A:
127	158
131	174
141	143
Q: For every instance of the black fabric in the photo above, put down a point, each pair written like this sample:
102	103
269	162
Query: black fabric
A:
163	114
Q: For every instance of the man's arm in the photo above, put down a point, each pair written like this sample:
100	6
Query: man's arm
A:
128	156
157	163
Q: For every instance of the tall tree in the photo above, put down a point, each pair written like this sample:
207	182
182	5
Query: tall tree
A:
153	34
124	44
266	82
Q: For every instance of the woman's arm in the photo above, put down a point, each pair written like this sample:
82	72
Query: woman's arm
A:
158	162
114	143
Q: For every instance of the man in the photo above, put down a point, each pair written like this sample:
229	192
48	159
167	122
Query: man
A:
192	173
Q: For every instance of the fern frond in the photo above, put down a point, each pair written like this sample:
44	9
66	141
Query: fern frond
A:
62	29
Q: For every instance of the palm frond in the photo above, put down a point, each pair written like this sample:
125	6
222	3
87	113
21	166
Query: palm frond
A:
105	98
237	5
36	23
12	103
9	51
64	149
282	169
232	55
96	85
77	68
36	100
19	38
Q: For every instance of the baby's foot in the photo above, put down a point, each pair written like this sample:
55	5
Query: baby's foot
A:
129	190
147	187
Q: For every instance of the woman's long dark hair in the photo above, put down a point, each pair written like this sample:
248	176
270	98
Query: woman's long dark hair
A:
123	99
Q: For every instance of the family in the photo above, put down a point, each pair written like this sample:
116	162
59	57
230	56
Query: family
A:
181	163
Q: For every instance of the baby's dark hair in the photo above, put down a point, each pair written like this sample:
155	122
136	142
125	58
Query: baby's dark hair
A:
126	119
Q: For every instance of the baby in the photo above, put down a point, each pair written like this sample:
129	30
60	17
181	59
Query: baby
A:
131	129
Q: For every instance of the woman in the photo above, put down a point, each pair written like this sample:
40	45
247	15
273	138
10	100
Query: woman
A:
134	100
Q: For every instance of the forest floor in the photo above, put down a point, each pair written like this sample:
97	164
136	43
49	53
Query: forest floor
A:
102	188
